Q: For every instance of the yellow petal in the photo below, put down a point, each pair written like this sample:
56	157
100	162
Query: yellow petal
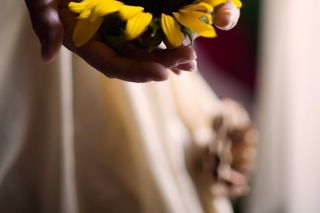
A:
237	3
192	20
213	3
172	30
200	15
104	8
126	12
85	30
137	25
84	8
77	7
202	6
85	13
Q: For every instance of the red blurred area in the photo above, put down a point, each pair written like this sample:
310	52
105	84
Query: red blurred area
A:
234	54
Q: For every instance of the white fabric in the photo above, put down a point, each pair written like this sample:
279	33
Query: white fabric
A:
288	173
72	140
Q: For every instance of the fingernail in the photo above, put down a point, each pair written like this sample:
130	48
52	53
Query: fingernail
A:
190	66
224	20
176	71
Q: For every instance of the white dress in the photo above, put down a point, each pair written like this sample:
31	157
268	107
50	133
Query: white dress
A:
72	140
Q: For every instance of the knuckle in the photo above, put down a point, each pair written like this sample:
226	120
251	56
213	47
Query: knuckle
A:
46	23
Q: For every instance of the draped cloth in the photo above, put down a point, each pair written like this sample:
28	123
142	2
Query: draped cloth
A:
288	174
72	140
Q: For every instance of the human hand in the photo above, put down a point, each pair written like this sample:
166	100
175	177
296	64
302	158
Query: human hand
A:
226	16
53	23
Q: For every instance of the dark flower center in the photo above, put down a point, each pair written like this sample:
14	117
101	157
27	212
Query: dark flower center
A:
156	7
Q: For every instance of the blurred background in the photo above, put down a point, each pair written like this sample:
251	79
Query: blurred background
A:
274	72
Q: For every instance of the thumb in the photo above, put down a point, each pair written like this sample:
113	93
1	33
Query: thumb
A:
47	25
227	15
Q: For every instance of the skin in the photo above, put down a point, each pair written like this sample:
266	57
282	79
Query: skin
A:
53	24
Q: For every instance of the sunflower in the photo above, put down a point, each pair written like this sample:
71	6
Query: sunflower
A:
173	19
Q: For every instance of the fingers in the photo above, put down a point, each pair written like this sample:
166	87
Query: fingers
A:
190	66
173	57
167	57
143	68
46	24
104	59
226	16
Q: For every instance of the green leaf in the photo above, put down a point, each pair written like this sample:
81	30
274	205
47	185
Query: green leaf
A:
204	19
187	32
155	26
156	34
112	31
156	40
114	41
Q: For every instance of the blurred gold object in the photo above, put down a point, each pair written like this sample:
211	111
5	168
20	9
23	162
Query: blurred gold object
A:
224	166
230	158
